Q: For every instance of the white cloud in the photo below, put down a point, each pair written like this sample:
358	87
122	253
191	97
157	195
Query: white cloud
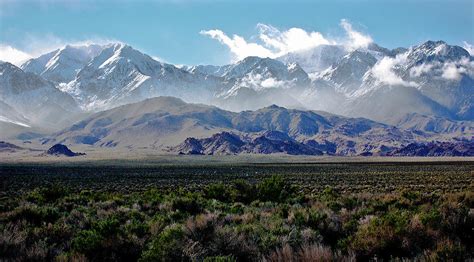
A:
272	83
469	48
452	72
422	69
257	82
355	39
292	40
159	59
13	55
238	46
455	70
273	42
383	71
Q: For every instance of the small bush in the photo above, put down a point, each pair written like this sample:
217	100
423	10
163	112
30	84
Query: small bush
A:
48	194
219	191
189	204
35	215
273	189
167	246
245	192
87	242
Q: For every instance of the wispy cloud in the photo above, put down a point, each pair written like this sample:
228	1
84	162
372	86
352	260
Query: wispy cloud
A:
468	47
292	40
238	46
454	70
355	39
13	55
273	42
37	45
34	46
384	72
450	70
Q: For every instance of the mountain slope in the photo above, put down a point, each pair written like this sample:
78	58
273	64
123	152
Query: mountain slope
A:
430	79
62	65
35	98
121	74
437	125
347	74
165	122
257	82
315	59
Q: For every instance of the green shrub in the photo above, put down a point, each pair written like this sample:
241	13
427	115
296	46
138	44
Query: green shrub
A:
245	192
316	218
383	237
188	204
273	189
87	242
35	215
219	191
167	246
47	194
329	194
431	218
108	227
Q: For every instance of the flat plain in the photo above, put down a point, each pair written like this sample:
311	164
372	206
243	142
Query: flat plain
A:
237	209
348	175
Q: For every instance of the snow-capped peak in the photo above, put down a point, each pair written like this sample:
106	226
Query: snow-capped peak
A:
62	65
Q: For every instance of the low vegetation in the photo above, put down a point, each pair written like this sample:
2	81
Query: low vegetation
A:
271	219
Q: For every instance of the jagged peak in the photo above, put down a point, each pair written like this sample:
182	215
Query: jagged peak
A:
11	68
436	50
432	43
275	106
250	59
9	65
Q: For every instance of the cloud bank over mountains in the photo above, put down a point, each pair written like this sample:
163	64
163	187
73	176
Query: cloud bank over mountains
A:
274	42
271	42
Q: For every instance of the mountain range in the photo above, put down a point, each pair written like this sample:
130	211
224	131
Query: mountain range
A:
325	100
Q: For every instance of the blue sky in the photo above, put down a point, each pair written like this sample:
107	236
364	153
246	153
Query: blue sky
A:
171	30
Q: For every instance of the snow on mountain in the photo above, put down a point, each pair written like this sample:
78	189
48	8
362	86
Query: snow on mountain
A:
347	74
268	68
37	99
441	76
121	74
62	65
445	74
433	79
315	59
256	82
431	51
255	67
218	71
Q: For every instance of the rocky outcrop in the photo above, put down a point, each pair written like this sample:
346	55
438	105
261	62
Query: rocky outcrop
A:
62	150
225	143
461	148
8	147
